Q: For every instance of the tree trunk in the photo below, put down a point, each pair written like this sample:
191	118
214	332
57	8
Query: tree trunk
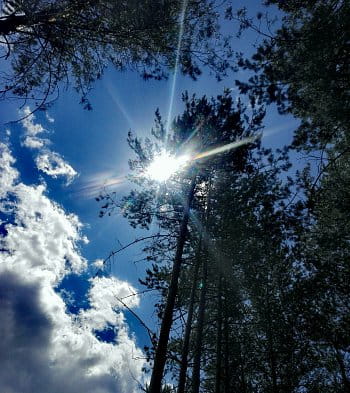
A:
227	351
161	350
272	357
219	339
242	370
199	336
186	344
200	323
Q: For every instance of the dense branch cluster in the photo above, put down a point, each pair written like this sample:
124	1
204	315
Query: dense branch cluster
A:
44	43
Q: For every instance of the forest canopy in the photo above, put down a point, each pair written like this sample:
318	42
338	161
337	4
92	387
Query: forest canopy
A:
44	43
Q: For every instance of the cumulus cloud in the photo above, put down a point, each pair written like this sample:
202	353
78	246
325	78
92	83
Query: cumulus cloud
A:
43	348
8	174
27	366
47	161
99	263
33	142
105	297
28	123
54	165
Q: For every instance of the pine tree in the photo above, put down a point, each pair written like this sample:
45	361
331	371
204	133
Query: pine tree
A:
323	275
204	125
49	43
304	68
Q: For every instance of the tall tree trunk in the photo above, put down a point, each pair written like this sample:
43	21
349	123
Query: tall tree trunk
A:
242	370
161	350
199	334
227	355
272	356
186	344
200	323
219	338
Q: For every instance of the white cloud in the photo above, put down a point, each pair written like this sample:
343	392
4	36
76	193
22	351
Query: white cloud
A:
47	161
106	295
33	142
54	165
7	173
43	348
99	263
31	128
49	118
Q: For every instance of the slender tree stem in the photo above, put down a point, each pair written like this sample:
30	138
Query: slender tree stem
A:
161	350
199	335
186	344
219	338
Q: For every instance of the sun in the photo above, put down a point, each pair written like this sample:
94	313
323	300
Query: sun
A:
165	165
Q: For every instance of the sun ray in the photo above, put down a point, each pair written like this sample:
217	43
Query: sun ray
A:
224	148
118	103
94	184
173	85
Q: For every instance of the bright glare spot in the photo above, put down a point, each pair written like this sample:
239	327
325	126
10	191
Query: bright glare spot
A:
165	165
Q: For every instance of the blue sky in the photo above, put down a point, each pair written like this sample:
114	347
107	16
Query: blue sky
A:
46	238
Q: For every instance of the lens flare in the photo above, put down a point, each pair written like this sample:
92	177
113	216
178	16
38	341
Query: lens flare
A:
165	165
224	148
177	61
